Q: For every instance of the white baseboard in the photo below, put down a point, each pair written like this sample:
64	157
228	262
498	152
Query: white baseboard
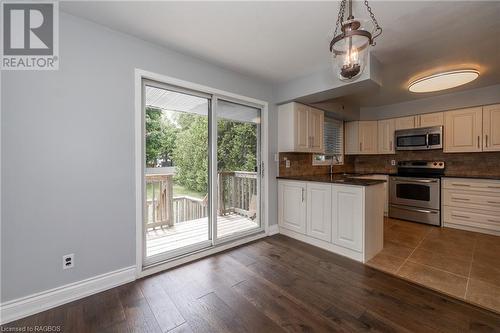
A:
35	303
273	230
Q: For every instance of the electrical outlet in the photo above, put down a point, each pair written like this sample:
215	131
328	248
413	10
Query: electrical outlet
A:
276	157
287	163
393	162
69	261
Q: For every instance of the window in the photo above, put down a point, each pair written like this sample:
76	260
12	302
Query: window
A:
334	143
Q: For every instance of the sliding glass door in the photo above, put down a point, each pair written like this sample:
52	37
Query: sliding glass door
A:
201	157
238	161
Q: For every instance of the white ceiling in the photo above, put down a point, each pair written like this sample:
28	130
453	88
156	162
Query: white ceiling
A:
279	41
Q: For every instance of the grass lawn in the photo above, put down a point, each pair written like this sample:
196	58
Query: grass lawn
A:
178	191
181	190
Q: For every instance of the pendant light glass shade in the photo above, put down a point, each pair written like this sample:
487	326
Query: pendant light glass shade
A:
350	56
350	47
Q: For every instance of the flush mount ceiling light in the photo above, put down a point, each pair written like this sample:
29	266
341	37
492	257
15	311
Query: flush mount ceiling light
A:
443	81
350	47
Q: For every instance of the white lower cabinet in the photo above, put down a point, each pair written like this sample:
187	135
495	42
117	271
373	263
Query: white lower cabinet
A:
319	211
471	204
347	217
292	205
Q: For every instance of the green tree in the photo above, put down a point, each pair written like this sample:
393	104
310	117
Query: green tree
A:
160	137
191	154
237	144
186	142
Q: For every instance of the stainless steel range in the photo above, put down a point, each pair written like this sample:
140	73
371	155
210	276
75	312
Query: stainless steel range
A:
415	192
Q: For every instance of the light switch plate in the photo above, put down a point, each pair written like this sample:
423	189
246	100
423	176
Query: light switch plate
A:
287	163
393	162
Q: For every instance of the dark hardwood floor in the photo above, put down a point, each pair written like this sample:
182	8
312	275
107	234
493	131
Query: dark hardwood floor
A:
273	285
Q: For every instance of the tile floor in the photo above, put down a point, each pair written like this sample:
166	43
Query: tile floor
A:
459	263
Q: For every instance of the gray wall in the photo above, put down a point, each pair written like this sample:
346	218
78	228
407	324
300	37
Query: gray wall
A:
68	154
463	99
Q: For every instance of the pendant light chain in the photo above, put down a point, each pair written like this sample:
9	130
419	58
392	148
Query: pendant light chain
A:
340	17
378	29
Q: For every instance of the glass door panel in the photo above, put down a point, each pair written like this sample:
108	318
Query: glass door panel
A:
238	160
176	207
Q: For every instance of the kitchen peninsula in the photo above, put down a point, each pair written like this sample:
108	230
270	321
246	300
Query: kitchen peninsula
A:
335	212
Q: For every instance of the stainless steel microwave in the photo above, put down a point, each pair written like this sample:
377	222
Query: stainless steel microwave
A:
419	138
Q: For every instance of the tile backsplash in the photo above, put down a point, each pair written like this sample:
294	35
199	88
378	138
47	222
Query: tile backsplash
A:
470	164
301	165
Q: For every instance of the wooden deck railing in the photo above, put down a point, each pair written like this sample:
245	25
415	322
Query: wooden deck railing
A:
237	195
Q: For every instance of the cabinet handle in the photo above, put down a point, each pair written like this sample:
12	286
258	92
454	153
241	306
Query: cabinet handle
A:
361	146
390	145
478	141
494	202
494	221
467	185
486	138
302	195
461	216
462	199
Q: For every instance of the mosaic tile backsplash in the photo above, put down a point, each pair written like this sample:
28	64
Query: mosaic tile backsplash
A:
465	164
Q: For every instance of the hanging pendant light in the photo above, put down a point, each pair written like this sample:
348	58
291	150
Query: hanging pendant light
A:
350	47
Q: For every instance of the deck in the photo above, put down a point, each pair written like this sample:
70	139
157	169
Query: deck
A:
163	239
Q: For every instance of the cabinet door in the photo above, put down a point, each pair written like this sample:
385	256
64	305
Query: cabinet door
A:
319	211
368	141
316	129
351	137
347	216
405	122
463	130
431	119
292	206
302	140
491	128
386	136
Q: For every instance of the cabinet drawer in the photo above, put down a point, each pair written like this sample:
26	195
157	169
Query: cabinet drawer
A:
471	218
472	199
488	185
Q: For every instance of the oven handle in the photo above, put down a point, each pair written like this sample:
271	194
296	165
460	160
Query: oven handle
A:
427	181
418	210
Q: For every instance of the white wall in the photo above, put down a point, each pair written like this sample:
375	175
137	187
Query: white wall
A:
463	99
68	154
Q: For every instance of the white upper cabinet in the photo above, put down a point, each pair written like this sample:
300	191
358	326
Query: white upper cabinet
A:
386	136
351	137
300	128
319	211
491	128
463	130
316	130
405	122
292	205
361	137
430	119
368	133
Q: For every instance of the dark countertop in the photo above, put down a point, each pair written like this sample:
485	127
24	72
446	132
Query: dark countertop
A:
335	179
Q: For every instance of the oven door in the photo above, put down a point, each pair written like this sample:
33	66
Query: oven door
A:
415	192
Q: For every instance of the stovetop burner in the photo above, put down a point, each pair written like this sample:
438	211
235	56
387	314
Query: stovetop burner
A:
422	169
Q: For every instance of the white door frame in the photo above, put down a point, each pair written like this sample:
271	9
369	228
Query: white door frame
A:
139	170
